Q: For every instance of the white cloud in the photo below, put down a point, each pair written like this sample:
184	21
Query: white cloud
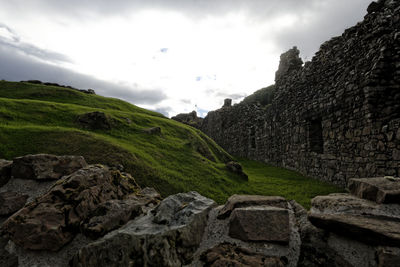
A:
193	50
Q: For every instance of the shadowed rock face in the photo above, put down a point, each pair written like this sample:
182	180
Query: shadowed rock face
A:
5	171
95	121
45	166
167	236
10	202
52	220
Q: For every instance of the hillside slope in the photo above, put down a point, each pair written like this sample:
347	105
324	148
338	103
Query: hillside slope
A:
44	119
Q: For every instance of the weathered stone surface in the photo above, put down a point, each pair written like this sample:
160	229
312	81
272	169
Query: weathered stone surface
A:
262	223
388	257
45	166
372	230
153	130
5	171
114	213
96	120
167	236
342	203
379	189
52	220
7	259
243	201
10	202
227	103
226	254
236	168
333	117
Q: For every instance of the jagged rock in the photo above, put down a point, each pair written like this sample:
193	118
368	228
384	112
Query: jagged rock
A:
52	220
243	201
226	254
5	171
10	202
375	6
168	236
45	166
235	167
153	130
289	62
262	223
114	213
95	121
372	230
380	189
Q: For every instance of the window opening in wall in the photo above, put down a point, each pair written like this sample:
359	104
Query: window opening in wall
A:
315	137
253	138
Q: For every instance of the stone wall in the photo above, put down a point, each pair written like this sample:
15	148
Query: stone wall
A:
333	118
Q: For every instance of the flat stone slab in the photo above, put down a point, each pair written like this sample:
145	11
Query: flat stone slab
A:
260	224
379	189
373	230
242	201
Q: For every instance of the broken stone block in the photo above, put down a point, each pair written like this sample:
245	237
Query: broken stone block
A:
10	202
243	201
380	189
262	223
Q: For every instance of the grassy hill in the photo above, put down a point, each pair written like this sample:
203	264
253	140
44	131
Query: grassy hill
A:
43	119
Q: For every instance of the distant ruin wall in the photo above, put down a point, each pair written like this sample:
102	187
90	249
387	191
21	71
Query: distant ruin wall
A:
334	118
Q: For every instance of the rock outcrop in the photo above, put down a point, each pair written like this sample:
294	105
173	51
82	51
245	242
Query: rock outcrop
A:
189	119
96	120
333	118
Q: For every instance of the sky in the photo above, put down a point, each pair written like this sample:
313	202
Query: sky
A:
172	56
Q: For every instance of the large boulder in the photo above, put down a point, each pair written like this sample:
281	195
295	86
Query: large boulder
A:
52	220
96	120
5	171
379	189
167	236
45	166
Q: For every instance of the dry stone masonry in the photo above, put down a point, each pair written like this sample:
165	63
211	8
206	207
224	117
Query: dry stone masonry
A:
334	118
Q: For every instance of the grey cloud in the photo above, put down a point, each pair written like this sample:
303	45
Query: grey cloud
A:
29	49
231	96
196	8
321	27
164	110
15	67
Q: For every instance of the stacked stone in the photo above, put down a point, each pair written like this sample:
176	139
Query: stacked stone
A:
337	116
363	227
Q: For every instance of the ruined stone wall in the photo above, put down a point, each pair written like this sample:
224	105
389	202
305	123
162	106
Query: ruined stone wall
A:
334	118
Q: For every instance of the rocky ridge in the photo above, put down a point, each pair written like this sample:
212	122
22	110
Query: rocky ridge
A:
98	216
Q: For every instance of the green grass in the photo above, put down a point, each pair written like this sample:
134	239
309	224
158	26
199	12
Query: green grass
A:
42	119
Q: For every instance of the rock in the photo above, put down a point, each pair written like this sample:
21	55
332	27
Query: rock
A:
262	223
7	259
114	213
153	130
167	236
45	166
226	254
388	257
5	171
95	121
380	189
236	168
10	202
52	220
243	201
372	230
289	61
375	6
343	203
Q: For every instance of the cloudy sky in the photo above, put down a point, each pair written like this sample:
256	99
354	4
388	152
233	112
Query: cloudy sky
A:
172	56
